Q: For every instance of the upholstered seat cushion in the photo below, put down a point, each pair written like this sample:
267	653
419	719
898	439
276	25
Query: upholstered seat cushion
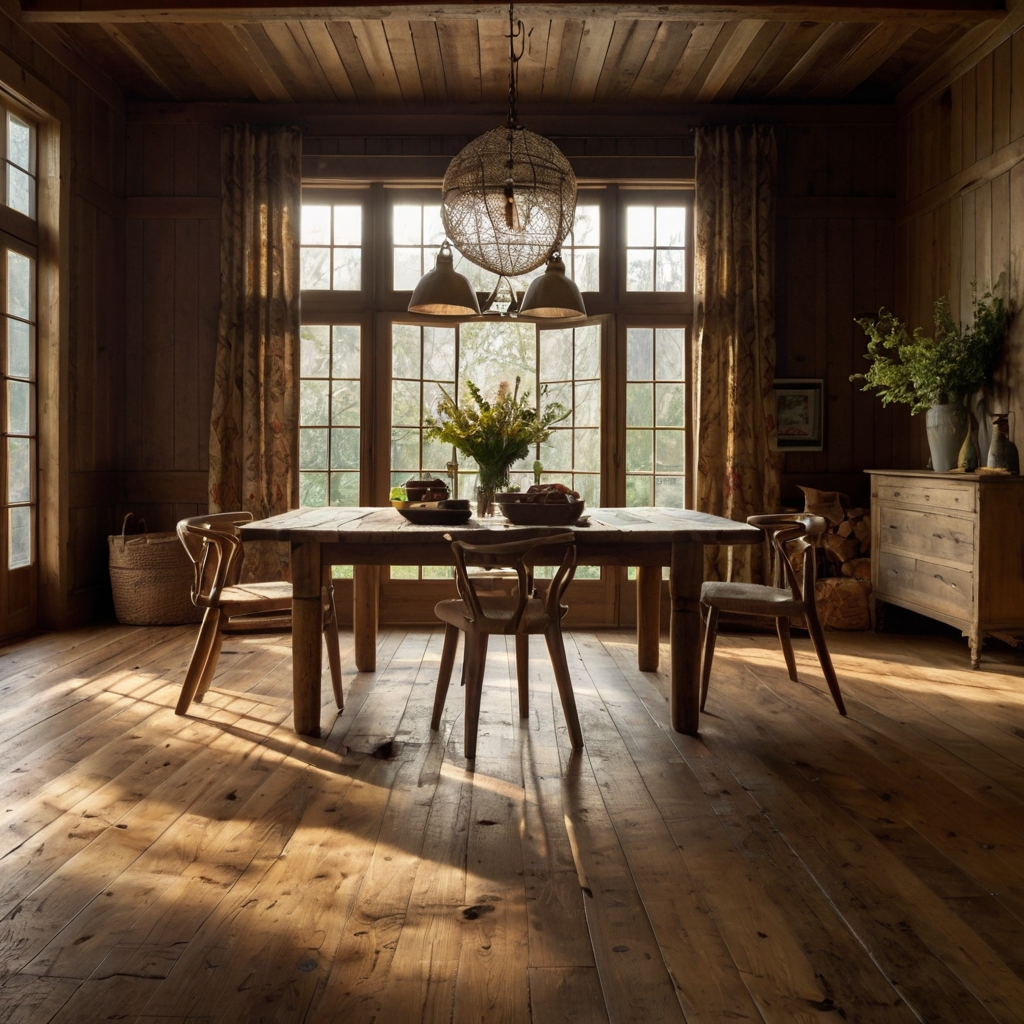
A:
498	611
750	599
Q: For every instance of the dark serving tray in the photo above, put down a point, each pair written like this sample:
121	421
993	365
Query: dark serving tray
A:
436	516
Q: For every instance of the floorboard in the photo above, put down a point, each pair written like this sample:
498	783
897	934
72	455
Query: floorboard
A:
785	865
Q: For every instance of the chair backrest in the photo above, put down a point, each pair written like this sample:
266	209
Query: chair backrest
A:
215	548
787	535
520	555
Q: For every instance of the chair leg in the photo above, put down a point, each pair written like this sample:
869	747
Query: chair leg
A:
476	660
556	651
209	668
818	639
333	644
523	673
710	617
782	628
205	642
444	674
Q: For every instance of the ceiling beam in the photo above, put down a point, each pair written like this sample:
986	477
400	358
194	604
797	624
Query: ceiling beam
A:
239	11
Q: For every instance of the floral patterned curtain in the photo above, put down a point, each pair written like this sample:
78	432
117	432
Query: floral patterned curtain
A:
734	353
254	421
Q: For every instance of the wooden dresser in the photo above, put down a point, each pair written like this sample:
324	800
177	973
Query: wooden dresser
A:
950	546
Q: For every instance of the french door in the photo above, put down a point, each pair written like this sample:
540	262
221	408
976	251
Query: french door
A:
18	453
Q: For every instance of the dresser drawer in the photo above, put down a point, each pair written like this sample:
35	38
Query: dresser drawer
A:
925	585
940	494
934	536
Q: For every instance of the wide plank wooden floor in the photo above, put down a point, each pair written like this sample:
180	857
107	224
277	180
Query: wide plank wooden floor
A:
786	866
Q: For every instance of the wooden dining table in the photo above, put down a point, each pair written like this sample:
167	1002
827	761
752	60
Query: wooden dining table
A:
368	538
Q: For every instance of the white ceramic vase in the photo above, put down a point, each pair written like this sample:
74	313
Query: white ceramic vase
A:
947	427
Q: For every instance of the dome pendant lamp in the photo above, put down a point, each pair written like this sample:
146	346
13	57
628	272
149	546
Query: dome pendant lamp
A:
553	294
443	291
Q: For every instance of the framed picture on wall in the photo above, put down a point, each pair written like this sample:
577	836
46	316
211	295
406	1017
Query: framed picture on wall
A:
800	415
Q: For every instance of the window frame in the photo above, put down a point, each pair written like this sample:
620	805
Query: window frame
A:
330	299
682	196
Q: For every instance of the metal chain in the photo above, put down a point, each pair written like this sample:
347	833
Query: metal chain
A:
515	31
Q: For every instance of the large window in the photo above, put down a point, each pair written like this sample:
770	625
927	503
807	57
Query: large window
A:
371	373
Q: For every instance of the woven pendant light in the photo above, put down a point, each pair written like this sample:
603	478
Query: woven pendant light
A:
509	197
508	200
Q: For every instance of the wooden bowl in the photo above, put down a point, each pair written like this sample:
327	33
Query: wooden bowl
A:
523	513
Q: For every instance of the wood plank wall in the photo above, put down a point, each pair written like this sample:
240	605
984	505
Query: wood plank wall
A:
834	251
961	217
173	302
95	356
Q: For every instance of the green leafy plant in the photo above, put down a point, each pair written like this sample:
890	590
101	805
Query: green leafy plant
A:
398	494
496	434
947	368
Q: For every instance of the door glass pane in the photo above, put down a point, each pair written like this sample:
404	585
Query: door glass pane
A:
656	402
19	349
329	414
20	526
18	411
19	470
19	285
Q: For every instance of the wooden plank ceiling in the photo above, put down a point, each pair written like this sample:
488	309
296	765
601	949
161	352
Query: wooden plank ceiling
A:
456	55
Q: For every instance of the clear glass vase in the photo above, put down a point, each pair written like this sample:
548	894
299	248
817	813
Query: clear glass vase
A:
492	480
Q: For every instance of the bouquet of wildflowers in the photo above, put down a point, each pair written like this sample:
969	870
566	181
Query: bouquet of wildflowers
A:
496	434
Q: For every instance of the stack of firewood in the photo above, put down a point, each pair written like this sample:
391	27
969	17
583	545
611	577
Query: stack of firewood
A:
844	560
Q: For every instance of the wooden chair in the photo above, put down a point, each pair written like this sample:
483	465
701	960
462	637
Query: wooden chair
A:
789	597
215	548
521	613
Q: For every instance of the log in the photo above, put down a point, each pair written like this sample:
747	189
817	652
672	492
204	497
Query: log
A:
858	568
862	531
843	603
844	548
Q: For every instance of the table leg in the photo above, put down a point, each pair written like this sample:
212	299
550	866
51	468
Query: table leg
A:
365	590
307	625
648	617
684	586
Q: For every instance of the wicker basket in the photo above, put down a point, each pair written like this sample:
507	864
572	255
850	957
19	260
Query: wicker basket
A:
151	578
